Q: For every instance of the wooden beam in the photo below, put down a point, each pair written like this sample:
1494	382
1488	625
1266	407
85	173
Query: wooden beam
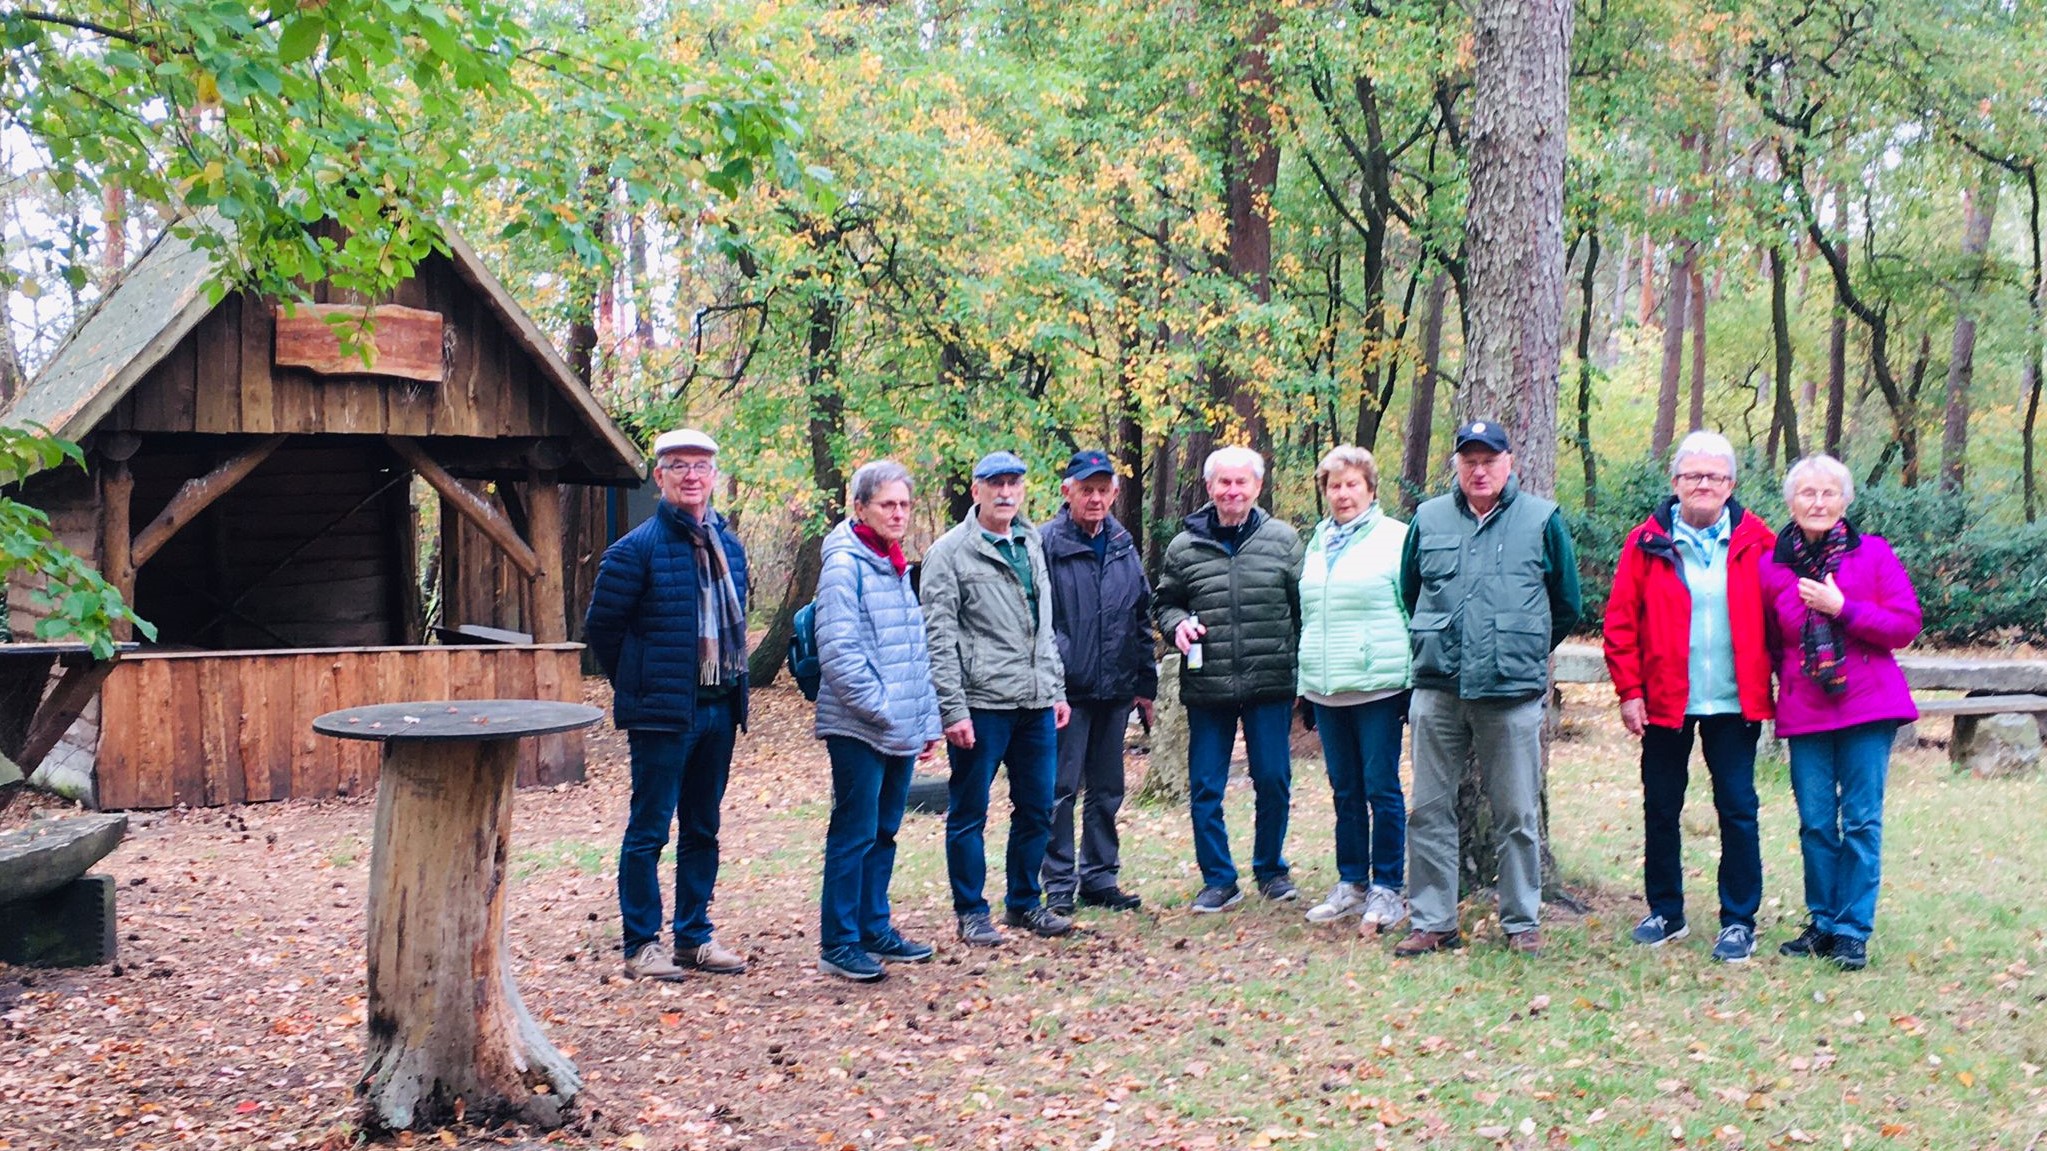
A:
403	342
60	709
197	495
549	622
488	520
117	492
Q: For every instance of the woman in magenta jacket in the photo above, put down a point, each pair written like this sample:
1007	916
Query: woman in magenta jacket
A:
1839	603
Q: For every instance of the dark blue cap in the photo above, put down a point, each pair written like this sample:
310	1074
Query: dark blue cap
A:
1089	463
1482	433
998	464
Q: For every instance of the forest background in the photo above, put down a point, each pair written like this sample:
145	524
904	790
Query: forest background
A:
831	232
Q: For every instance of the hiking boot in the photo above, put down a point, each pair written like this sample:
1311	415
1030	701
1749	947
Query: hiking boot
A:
712	958
1384	907
975	929
1344	899
1812	941
1849	954
1655	931
1279	889
1527	942
1112	897
1042	921
648	962
1214	899
1735	945
1419	942
1061	904
891	947
849	962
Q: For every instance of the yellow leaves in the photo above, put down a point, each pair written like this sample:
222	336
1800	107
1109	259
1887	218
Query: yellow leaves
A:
206	91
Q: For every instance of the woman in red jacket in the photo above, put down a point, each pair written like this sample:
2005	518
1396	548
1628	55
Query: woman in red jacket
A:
1686	651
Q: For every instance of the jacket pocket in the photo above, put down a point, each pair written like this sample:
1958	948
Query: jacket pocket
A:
1437	557
1522	641
1434	644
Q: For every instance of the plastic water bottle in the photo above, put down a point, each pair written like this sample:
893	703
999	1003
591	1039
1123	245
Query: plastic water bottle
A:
1194	648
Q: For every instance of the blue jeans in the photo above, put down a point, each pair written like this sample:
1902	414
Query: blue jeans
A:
1838	778
1211	731
1729	744
1361	749
869	790
1026	741
678	776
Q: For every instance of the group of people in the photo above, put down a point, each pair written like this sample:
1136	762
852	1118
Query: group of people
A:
1026	647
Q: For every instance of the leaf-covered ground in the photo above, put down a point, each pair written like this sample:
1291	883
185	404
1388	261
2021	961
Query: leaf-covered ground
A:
235	1015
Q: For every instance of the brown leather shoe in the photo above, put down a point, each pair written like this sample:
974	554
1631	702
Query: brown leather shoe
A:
1420	942
712	958
1527	942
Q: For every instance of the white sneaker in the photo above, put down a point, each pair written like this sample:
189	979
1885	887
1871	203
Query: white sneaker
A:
1384	907
1344	899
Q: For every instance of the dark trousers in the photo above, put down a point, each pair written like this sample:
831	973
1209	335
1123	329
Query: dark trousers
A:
1211	731
869	790
1024	740
679	777
1729	745
1361	749
1090	764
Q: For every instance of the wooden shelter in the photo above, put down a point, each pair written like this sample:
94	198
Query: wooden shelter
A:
272	503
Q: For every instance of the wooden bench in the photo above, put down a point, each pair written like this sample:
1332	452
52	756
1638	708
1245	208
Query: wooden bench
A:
1992	749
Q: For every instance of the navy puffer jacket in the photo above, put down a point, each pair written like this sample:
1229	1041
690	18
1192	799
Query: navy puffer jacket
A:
1101	613
876	684
642	622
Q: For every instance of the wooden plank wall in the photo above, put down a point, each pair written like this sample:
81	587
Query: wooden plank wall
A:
492	388
207	729
480	586
70	498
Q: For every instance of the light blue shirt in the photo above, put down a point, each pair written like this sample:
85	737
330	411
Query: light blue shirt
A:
1704	552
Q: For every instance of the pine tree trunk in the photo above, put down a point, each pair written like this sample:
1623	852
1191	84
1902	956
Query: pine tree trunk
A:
1677	308
1837	381
1415	453
1979	209
1586	300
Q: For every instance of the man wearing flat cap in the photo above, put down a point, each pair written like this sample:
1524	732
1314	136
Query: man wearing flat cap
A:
667	622
1490	582
1101	616
1001	696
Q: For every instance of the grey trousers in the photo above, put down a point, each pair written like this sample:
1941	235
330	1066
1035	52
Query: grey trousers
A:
1506	738
1090	763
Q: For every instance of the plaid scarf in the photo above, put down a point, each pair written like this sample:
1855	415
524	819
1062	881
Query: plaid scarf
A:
721	620
1824	646
1338	537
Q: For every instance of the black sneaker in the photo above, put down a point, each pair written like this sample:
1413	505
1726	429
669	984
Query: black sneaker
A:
1279	889
976	930
1812	941
1849	954
891	947
1112	897
1214	899
849	962
1038	920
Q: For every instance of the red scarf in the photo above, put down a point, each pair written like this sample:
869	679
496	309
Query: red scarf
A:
892	550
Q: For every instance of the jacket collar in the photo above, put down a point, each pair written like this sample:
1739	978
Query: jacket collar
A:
1788	537
678	521
1656	537
1202	522
1508	491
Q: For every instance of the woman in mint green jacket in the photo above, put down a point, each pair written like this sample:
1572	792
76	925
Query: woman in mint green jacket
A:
1355	671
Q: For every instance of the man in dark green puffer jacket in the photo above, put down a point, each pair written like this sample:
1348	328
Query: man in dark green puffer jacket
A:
1231	583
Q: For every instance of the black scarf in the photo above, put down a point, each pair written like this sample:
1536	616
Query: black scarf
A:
1822	644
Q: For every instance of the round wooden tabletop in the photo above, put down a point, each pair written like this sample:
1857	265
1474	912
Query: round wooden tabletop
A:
456	719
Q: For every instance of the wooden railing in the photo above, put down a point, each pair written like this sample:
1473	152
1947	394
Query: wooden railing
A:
209	728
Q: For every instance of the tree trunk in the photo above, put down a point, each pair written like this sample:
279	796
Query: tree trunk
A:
1698	408
2036	330
1165	768
1677	307
1514	234
1415	452
1979	209
1837	381
1250	173
449	1037
1784	415
1586	457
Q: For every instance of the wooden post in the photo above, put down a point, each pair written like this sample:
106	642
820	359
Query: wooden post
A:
448	1033
549	623
117	491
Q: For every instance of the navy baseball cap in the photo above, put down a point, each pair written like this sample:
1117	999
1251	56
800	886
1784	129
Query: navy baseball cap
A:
1482	433
999	464
1089	463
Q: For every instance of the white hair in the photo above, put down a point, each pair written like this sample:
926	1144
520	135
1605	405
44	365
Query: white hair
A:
1827	466
876	475
1710	444
1232	457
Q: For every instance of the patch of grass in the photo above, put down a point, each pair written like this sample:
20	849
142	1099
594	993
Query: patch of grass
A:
579	856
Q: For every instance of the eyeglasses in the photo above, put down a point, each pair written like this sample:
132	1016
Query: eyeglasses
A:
689	467
1814	495
1702	479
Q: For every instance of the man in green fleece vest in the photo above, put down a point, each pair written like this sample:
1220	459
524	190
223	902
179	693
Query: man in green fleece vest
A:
1490	581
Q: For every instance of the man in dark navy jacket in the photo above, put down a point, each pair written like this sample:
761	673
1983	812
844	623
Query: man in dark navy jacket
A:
667	622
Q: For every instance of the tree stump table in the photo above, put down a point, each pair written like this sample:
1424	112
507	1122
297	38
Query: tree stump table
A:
449	1037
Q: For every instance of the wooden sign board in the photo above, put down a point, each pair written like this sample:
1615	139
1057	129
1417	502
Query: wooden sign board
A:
404	342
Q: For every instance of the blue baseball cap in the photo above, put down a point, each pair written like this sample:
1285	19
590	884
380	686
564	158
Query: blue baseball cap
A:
999	464
1483	433
1089	463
